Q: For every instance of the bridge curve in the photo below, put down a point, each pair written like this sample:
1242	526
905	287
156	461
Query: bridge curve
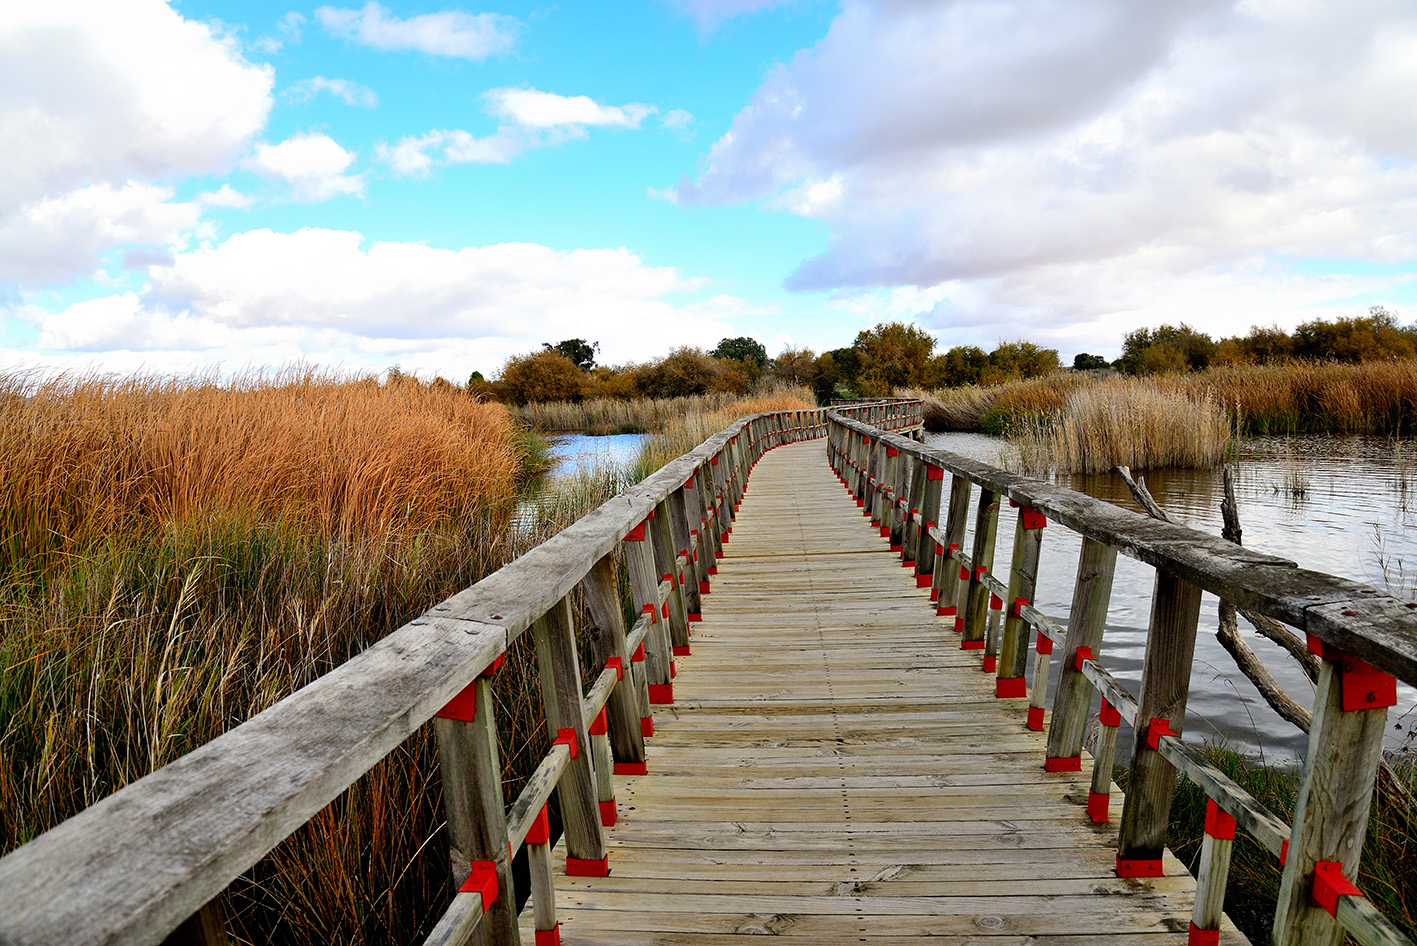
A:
835	767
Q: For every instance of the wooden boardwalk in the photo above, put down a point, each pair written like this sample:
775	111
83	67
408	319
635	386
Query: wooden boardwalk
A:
835	768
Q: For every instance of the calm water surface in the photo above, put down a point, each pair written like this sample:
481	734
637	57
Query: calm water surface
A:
1342	505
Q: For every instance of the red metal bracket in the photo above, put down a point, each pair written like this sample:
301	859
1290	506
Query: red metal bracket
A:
892	451
689	483
1330	884
945	610
609	813
1110	715
1083	653
639	655
703	587
661	693
1016	609
551	937
980	571
483	880
540	830
1139	868
597	725
1157	728
462	707
1063	764
959	623
578	867
990	664
1219	823
923	581
963	573
971	645
567	738
646	725
1010	688
1045	644
1361	685
631	768
619	666
934	472
637	534
491	669
1097	806
680	650
1200	937
1033	519
1035	718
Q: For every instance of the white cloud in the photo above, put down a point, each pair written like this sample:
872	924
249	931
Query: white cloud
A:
1085	162
710	13
226	196
531	119
328	296
351	93
312	164
532	108
677	119
50	241
450	33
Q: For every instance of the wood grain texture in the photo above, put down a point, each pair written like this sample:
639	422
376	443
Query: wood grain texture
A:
834	768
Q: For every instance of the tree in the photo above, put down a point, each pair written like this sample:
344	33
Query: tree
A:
893	355
962	364
545	375
795	366
1082	361
580	353
1357	338
1165	348
682	372
742	349
1020	359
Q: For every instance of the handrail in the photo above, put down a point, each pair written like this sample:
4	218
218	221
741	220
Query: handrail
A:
132	867
1364	637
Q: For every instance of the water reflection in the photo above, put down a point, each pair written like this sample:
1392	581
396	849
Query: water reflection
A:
1332	504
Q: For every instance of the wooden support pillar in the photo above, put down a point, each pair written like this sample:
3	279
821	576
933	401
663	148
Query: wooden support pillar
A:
1331	810
471	771
623	710
666	553
1023	578
559	664
644	591
923	552
900	494
684	516
974	598
1165	683
946	587
1092	593
1214	871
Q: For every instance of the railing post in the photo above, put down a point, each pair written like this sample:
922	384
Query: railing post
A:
974	596
933	481
602	594
1212	873
710	547
1092	593
644	588
1165	683
666	560
1023	577
901	489
1331	810
559	664
684	516
471	771
946	587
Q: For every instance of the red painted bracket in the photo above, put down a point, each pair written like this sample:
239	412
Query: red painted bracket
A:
980	571
1082	654
1219	823
923	581
661	693
637	534
646	725
631	768
1157	728
1045	644
934	594
934	472
483	880
1361	685
540	830
579	867
639	655
598	725
1063	764
990	664
462	707
491	669
1200	937
1097	806
713	570
567	738
1032	519
673	670
971	645
1139	868
885	531
1330	884
664	608
946	610
651	610
959	623
1009	688
963	573
551	937
1016	609
609	813
1035	718
1110	716
939	549
703	587
895	548
689	483
892	451
680	650
619	666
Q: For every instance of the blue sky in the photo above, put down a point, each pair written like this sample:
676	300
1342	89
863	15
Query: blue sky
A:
439	185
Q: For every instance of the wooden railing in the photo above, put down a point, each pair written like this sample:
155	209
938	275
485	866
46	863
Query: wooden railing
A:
157	853
1364	638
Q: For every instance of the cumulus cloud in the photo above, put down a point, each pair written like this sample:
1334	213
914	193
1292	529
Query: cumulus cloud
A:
312	164
328	295
351	93
530	119
1043	159
450	33
98	103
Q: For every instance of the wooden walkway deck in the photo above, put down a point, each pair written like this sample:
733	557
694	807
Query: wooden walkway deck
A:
835	768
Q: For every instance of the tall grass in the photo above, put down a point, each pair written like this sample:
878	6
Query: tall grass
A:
178	555
1124	421
705	417
1384	875
599	416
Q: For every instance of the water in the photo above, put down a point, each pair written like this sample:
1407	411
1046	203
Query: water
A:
572	450
1343	505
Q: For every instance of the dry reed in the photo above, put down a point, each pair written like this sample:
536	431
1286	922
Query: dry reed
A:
600	416
707	416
